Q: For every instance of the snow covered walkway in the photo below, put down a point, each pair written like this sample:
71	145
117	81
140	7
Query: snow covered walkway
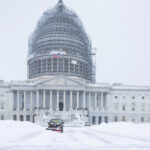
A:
113	136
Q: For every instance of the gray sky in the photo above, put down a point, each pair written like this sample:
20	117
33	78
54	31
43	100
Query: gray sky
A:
119	29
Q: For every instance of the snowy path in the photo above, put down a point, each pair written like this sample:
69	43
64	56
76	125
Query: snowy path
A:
114	136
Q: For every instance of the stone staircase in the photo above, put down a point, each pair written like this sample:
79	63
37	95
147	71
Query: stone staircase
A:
70	118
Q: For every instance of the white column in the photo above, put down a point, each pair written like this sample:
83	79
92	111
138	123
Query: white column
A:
18	101
64	101
70	100
37	99
107	101
12	97
51	107
44	99
95	100
89	100
77	99
25	100
83	99
31	99
57	105
102	100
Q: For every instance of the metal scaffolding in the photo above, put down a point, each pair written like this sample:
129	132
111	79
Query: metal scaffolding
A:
60	45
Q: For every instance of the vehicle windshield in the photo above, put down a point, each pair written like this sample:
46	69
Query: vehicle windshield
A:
55	121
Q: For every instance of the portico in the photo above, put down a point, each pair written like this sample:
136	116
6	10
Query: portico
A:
45	96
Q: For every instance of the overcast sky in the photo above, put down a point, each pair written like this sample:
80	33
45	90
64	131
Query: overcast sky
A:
119	29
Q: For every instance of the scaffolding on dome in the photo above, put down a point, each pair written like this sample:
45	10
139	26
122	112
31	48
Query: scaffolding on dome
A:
60	30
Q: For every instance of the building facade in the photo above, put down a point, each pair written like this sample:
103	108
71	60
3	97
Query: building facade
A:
61	79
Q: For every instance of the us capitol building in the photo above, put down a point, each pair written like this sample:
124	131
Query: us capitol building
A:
61	79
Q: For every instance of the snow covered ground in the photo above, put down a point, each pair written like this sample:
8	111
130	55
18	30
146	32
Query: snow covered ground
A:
113	136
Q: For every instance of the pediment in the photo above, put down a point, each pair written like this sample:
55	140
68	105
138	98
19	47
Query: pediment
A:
60	81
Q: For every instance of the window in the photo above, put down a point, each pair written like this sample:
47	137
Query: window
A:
2	106
28	118
2	95
21	117
133	119
142	119
123	118
123	108
124	97
142	107
2	117
14	117
133	106
116	118
106	119
133	97
116	97
143	97
94	120
116	106
100	120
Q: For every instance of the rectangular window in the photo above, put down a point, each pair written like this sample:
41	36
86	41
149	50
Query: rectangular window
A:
2	106
133	106
133	119
100	120
123	118
2	117
142	119
116	118
93	120
14	117
123	108
116	106
142	107
106	119
28	118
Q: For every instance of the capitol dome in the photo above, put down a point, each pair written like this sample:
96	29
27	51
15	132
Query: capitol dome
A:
60	46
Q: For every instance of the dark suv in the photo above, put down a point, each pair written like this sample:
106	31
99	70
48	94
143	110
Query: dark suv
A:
56	125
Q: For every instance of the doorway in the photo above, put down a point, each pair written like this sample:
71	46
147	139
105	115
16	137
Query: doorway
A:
21	117
61	105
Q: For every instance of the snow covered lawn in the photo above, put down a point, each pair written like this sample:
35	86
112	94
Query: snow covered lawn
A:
113	136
